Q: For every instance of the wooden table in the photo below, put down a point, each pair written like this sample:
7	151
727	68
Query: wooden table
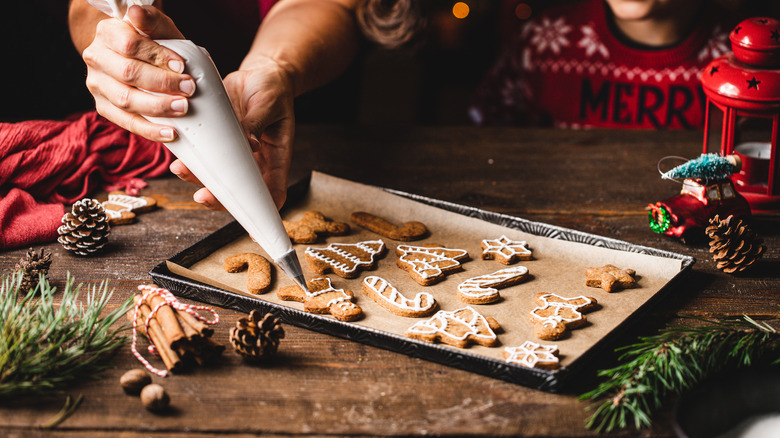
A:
594	181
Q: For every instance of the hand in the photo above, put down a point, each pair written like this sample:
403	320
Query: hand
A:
262	97
120	61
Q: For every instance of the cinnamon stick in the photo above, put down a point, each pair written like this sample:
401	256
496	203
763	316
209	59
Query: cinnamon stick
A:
169	323
201	327
156	336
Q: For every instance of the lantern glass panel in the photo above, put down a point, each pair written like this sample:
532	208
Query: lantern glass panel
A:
714	127
753	136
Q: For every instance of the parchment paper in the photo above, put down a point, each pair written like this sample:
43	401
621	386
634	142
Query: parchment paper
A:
558	266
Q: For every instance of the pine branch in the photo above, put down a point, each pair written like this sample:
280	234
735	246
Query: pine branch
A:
671	362
44	346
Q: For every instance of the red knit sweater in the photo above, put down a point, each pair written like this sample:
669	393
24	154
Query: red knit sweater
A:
566	68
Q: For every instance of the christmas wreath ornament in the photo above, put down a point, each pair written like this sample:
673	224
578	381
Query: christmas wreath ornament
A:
32	266
256	336
85	229
734	246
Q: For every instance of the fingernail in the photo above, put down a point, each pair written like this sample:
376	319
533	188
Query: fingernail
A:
167	134
179	105
187	87
176	66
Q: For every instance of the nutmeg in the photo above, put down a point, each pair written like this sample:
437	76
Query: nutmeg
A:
154	397
134	381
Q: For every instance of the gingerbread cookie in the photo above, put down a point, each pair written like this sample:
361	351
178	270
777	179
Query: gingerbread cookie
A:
505	250
312	225
381	291
610	277
484	289
533	355
458	328
323	298
408	232
429	264
345	259
258	278
122	208
555	314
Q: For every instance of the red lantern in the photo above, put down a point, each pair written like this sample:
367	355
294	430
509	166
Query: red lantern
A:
743	109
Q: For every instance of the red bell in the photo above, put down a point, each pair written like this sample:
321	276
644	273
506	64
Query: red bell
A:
743	109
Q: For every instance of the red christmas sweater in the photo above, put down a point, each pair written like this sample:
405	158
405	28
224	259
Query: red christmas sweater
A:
566	68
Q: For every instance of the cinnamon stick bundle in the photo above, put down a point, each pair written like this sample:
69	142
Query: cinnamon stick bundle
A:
180	338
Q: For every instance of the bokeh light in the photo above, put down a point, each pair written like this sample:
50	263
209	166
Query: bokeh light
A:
460	10
523	11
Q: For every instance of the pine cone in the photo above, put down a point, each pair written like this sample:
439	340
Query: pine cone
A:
84	231
257	335
735	247
31	266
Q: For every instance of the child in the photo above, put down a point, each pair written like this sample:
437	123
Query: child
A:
613	64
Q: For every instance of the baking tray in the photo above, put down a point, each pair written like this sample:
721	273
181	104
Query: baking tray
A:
468	359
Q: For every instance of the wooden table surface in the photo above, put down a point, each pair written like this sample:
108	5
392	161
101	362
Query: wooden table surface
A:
594	181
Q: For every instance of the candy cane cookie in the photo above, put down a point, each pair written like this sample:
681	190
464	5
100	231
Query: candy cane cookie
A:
387	296
484	289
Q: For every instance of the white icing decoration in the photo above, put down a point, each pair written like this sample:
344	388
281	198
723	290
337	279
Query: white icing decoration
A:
127	202
556	317
418	257
439	322
505	247
386	292
530	353
480	287
340	300
337	248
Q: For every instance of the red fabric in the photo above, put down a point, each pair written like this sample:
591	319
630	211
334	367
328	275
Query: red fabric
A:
567	68
44	164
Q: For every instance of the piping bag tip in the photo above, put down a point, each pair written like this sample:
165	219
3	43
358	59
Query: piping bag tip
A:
292	267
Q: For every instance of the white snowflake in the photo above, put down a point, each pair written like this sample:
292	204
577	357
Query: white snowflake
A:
591	43
717	45
550	35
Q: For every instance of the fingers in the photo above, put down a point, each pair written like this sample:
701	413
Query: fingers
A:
204	197
152	22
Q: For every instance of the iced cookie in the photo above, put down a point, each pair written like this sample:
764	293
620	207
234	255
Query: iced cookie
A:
555	314
429	264
312	225
323	298
258	278
122	208
484	289
387	296
345	259
610	278
407	232
533	355
505	250
458	328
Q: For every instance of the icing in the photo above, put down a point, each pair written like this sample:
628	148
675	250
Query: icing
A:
475	324
428	262
422	302
347	251
481	287
505	247
529	354
564	309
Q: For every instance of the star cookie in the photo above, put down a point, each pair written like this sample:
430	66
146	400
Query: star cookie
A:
458	328
555	314
533	355
323	298
504	250
610	277
484	289
312	225
345	259
429	264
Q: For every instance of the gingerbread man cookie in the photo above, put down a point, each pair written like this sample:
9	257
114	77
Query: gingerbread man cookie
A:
312	225
381	291
407	232
258	278
458	328
610	277
323	298
505	250
533	355
429	264
555	314
122	208
345	259
484	289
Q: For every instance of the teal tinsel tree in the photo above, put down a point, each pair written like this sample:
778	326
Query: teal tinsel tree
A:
706	167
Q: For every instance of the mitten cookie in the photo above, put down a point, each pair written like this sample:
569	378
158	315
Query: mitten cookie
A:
258	278
323	298
407	232
312	225
458	328
429	264
610	278
122	208
484	289
345	259
505	250
387	296
533	355
555	314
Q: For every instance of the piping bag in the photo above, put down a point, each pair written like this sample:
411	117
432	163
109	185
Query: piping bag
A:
212	144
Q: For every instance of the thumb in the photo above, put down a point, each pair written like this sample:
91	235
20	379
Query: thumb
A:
152	22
